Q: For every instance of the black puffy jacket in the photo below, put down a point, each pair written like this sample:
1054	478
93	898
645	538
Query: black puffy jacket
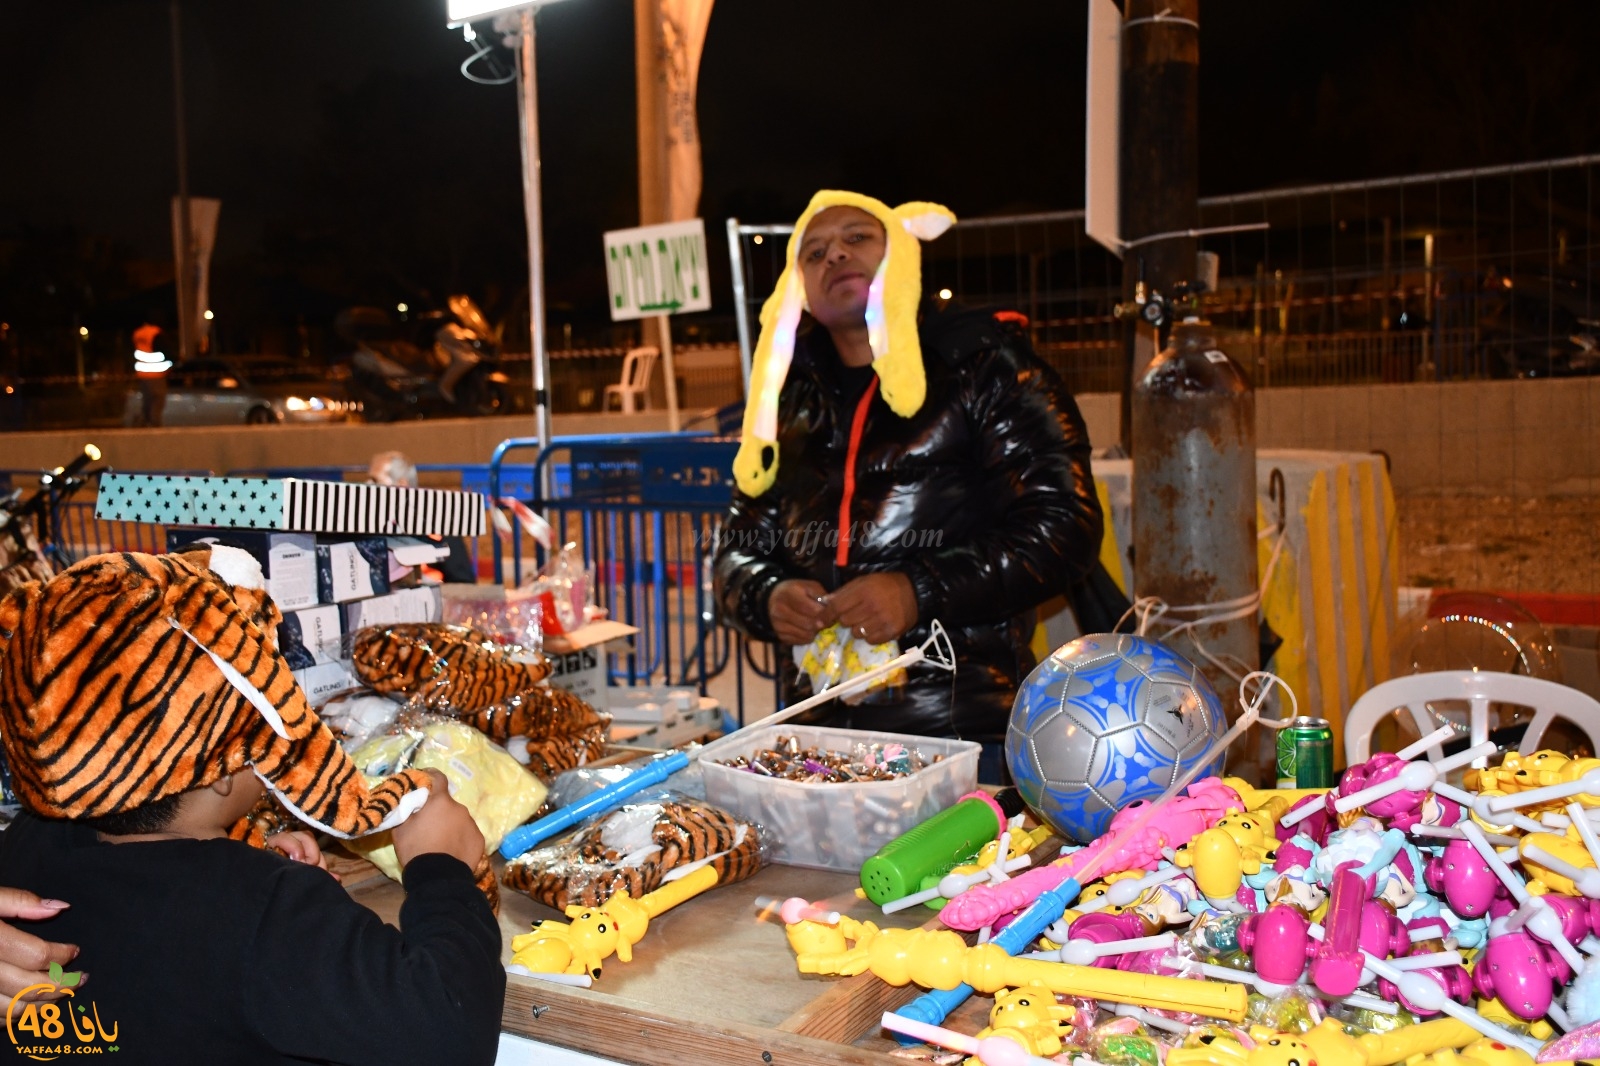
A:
983	498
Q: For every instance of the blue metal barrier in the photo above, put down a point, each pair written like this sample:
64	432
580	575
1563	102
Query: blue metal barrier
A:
646	510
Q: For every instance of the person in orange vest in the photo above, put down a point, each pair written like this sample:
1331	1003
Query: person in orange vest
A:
150	366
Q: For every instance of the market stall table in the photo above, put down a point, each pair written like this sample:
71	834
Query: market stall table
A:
709	983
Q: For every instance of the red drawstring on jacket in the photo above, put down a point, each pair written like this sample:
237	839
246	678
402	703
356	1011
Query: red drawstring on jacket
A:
857	425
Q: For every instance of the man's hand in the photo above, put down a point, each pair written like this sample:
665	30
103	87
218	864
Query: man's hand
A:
799	611
25	959
300	847
440	825
876	607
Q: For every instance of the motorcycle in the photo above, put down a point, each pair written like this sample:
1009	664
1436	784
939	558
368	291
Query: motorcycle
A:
434	364
30	549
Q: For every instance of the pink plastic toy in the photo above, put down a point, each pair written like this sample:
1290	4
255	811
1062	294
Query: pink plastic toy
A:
1467	882
1336	964
1101	928
1521	973
1180	821
1279	941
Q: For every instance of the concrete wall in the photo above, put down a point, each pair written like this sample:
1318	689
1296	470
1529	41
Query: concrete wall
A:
1492	437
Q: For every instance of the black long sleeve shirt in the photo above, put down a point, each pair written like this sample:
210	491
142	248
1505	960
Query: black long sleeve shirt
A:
212	951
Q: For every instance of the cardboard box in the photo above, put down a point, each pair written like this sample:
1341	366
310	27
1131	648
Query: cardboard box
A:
288	560
326	680
578	660
420	604
289	504
312	636
352	569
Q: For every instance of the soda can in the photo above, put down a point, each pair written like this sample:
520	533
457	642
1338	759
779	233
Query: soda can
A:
1305	753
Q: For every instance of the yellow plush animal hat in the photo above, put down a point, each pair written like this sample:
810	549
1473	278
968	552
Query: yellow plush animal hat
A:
129	677
892	301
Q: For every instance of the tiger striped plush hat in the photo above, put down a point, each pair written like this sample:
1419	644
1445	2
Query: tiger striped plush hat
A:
892	300
129	678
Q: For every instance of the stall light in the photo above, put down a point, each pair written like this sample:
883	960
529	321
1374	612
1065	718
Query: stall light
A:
83	331
945	294
471	10
295	403
758	239
208	315
402	308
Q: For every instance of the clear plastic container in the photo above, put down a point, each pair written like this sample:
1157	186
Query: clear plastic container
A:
836	827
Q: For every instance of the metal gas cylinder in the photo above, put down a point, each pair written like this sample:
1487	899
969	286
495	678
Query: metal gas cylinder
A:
1194	508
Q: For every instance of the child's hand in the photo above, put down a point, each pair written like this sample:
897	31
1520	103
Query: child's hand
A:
439	825
300	847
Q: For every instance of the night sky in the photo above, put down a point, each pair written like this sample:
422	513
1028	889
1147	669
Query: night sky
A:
354	162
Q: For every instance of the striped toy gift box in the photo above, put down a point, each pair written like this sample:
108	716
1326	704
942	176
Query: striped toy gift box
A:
289	504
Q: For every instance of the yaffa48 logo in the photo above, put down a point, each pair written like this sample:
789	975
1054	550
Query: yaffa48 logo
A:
39	1030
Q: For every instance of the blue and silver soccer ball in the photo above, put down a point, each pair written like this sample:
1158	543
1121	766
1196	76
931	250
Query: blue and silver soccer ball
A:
1106	720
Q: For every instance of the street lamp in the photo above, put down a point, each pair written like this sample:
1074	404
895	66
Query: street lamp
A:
460	13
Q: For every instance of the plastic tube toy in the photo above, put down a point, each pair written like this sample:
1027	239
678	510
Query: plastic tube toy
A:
991	1051
941	959
936	846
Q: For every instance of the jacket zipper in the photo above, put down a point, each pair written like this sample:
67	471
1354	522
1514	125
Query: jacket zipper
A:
858	424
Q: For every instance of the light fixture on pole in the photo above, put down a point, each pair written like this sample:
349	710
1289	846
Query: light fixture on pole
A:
462	12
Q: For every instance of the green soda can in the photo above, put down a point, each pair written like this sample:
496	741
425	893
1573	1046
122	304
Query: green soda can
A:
1305	753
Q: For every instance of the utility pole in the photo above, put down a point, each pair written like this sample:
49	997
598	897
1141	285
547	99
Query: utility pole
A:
1160	163
1189	412
183	257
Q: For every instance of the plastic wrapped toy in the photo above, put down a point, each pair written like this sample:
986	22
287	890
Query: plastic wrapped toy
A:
493	786
634	850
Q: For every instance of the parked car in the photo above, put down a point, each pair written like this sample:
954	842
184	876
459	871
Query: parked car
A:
221	392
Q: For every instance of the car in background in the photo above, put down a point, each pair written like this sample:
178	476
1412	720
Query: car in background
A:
223	392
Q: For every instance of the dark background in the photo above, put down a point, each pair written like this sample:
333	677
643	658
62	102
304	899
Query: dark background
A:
356	165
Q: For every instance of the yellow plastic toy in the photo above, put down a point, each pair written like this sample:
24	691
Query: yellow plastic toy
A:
1266	1047
1569	848
598	932
1031	1017
1220	857
941	959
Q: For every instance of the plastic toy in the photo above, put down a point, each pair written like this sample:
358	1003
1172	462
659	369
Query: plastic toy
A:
1262	1047
941	959
1105	720
985	868
1031	1017
992	1051
1221	856
932	848
598	932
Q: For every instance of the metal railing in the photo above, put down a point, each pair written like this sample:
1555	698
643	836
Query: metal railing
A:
1461	274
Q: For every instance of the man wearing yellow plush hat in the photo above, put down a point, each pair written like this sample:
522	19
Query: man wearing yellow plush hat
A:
900	464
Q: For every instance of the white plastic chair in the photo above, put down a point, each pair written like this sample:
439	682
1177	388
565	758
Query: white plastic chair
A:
637	368
1479	688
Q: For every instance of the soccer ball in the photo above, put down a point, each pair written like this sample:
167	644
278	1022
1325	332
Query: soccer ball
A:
1106	720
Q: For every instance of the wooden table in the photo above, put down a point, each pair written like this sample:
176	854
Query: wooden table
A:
710	982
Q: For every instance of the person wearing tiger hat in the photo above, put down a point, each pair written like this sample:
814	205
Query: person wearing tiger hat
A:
144	710
902	462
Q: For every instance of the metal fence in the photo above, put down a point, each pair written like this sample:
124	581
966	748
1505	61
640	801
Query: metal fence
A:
1458	275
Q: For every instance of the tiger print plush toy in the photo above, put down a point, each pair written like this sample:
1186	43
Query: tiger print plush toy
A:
409	659
129	678
632	850
461	672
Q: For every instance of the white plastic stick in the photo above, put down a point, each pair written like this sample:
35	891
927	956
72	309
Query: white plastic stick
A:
1450	832
1425	992
1585	879
1362	1001
1585	831
1085	952
1479	805
977	877
1588	784
995	1048
1423	962
1301	813
577	980
1438	736
1128	891
1154	1021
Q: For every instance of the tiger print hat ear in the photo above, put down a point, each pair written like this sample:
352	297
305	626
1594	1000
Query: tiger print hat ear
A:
128	678
892	301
